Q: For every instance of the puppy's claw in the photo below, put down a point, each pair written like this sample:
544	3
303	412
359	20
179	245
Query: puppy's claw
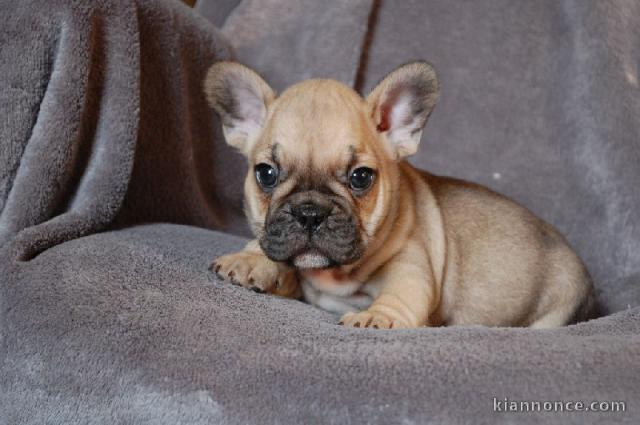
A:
249	270
368	319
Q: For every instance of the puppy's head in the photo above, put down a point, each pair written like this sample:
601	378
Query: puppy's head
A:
323	170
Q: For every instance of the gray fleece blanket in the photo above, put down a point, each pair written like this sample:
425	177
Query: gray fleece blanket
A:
116	190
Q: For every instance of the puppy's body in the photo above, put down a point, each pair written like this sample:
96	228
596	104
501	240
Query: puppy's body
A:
409	249
481	269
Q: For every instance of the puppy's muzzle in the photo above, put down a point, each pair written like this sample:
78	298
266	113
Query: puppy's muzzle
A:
310	215
312	230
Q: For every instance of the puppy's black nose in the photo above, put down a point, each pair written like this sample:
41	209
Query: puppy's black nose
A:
310	215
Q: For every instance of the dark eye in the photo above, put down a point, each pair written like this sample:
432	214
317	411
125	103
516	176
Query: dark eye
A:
361	178
266	175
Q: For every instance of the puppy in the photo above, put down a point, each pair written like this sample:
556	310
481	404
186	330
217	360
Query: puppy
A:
340	215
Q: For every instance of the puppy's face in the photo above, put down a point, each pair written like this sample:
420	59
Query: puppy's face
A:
322	160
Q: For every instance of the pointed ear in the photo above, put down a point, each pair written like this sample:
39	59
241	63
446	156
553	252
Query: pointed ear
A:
241	97
401	104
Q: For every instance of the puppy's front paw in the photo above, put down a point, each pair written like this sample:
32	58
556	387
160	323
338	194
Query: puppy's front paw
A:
370	319
248	269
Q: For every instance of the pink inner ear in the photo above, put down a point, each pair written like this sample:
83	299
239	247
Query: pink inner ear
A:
386	108
383	125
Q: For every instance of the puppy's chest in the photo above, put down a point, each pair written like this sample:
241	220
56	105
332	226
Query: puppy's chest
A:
331	291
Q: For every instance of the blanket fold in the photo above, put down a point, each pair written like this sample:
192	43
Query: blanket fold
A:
81	144
108	94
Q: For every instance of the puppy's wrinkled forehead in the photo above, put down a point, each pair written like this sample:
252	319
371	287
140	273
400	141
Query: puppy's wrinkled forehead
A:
316	125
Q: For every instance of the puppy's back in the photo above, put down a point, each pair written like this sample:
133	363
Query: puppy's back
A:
497	250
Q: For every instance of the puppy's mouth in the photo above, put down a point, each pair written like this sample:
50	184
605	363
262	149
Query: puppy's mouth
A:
312	259
307	237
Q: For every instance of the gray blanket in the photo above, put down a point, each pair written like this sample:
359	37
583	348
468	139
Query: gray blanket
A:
107	315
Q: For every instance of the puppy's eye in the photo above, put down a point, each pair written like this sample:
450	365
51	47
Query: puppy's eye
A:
266	175
361	178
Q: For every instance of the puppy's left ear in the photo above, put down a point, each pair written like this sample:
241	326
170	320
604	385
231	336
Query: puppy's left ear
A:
401	104
241	98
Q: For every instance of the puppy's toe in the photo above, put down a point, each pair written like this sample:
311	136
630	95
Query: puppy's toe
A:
367	319
239	273
230	268
263	277
381	321
248	270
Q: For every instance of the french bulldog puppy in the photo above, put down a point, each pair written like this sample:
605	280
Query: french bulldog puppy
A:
340	215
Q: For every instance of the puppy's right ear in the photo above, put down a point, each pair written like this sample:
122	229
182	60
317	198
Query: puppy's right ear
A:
241	97
401	104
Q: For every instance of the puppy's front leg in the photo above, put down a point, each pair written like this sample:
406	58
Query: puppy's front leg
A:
252	269
407	292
